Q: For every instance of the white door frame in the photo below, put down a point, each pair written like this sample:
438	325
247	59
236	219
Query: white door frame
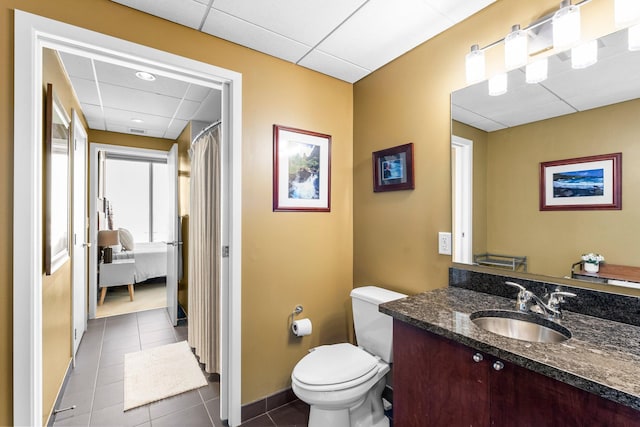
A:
93	208
463	199
80	232
32	34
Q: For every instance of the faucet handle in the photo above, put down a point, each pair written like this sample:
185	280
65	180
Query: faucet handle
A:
521	288
561	294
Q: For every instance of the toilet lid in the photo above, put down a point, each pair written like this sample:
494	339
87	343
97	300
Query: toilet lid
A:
334	364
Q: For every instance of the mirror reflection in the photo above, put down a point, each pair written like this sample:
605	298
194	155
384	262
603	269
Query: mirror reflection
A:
499	142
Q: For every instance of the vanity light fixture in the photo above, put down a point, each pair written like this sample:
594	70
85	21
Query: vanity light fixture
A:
516	46
634	37
584	55
498	84
626	11
537	71
566	25
474	63
143	75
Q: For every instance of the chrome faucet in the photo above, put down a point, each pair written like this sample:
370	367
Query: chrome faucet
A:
526	300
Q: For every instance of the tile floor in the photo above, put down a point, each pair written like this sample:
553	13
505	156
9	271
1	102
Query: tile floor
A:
96	385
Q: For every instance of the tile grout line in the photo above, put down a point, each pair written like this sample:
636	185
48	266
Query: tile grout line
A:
95	380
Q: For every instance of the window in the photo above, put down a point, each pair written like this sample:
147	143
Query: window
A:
136	188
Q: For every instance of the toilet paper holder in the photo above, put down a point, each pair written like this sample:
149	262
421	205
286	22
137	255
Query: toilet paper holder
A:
297	310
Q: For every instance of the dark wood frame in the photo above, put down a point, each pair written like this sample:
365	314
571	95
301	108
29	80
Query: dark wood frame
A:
280	203
55	256
407	180
615	185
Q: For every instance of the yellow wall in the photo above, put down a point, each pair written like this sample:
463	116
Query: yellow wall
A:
288	258
184	191
395	233
515	223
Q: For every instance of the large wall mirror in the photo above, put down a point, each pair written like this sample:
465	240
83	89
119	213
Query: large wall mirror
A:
499	142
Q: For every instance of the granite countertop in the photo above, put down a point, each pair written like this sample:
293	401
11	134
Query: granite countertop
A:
602	356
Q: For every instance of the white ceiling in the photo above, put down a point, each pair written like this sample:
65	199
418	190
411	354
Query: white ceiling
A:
112	97
346	39
614	78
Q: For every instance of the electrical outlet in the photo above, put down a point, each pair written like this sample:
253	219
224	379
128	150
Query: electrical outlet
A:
444	243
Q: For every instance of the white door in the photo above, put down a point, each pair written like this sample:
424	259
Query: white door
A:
173	243
79	261
462	167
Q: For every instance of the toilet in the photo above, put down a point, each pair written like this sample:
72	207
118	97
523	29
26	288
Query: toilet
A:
343	383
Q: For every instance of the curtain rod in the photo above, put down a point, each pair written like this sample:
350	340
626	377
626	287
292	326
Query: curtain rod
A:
205	130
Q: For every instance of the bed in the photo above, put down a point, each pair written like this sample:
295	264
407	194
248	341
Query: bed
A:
150	260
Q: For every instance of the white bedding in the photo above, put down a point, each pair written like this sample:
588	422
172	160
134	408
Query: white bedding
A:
150	260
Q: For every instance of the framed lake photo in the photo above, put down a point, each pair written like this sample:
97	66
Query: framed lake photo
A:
584	183
301	170
393	169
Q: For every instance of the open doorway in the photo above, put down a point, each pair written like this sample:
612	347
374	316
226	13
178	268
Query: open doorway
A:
32	34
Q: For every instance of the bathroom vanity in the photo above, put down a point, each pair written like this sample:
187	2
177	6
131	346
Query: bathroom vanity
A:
450	372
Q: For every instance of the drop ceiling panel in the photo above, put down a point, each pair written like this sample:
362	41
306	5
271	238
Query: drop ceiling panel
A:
77	66
370	41
308	21
185	12
176	127
138	101
238	31
457	10
86	90
186	110
332	66
123	117
126	77
93	114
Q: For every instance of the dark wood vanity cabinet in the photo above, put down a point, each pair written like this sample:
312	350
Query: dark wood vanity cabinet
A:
438	382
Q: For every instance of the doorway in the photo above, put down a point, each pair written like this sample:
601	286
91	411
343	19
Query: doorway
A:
135	187
32	34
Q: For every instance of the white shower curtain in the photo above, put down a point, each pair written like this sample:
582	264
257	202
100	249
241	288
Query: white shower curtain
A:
204	247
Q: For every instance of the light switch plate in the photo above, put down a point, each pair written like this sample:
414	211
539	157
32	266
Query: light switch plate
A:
444	243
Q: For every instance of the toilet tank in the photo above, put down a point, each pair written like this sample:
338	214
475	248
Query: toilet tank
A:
374	330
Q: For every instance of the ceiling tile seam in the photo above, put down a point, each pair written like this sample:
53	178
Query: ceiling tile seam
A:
561	99
489	119
257	26
206	14
175	113
333	31
95	79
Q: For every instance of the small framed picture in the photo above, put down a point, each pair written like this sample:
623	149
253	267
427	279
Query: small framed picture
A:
393	169
301	170
583	183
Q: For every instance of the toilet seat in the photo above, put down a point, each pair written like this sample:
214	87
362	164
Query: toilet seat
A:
335	367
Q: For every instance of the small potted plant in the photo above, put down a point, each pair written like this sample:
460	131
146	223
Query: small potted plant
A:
591	262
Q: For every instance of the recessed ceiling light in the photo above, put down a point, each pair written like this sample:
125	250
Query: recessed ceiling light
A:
143	75
136	120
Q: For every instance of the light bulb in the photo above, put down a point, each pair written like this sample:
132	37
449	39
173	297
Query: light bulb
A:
584	55
474	62
626	11
537	71
498	84
515	48
634	37
566	25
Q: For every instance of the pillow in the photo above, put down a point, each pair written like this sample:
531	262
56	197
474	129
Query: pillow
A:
126	239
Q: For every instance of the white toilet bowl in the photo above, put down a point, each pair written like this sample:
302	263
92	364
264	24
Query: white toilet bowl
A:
343	385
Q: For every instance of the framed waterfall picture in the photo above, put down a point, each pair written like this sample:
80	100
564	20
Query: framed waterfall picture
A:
583	183
301	170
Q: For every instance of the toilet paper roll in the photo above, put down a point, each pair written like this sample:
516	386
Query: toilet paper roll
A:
301	327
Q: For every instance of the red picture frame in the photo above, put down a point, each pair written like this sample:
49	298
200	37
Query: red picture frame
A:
393	169
582	183
301	170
